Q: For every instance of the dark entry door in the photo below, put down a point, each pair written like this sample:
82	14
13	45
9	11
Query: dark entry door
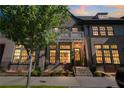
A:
1	51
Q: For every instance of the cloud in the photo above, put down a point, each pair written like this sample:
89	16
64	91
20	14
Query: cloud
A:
117	13
80	11
117	6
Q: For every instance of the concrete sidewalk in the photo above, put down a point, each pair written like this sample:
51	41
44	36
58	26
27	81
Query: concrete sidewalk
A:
97	82
74	82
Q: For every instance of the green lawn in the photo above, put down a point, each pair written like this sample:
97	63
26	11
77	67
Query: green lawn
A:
41	86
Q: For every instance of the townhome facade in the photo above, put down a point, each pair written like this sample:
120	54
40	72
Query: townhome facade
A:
95	42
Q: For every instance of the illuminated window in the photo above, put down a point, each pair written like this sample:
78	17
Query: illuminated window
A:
21	56
97	46
102	31
95	30
107	60
110	31
64	56
65	46
116	60
105	46
17	56
115	53
114	46
74	29
52	46
106	52
95	33
52	56
98	52
24	56
99	59
77	54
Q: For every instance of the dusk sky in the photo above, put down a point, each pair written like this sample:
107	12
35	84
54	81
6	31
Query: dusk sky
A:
91	10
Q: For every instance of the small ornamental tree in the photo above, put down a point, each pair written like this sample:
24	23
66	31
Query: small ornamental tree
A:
31	26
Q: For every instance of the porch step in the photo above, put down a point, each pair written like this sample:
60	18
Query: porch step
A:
82	71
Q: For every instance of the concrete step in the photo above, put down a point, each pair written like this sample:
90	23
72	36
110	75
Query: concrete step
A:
83	71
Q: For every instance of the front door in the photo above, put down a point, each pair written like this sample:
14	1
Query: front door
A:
65	56
77	57
1	51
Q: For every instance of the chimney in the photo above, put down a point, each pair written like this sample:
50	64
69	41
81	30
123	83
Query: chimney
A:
101	15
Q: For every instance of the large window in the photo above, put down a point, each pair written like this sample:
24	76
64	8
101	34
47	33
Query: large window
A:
52	56
64	56
20	55
107	54
102	31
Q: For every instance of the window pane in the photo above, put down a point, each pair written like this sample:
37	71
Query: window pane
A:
24	59
106	52
107	60
99	59
98	53
24	53
114	46
110	31
16	57
116	60
97	46
105	46
109	28
95	33
94	28
115	53
17	52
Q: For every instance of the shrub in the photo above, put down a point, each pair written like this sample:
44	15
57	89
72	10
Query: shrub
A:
37	72
99	74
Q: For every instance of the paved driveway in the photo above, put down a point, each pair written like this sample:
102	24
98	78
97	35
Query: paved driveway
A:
78	82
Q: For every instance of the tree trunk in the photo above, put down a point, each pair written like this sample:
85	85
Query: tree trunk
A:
29	70
37	59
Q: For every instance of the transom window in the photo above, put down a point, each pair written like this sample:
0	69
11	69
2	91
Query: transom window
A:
98	46
102	31
107	54
21	56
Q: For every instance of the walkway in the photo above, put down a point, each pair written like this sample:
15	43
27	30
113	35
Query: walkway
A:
78	82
